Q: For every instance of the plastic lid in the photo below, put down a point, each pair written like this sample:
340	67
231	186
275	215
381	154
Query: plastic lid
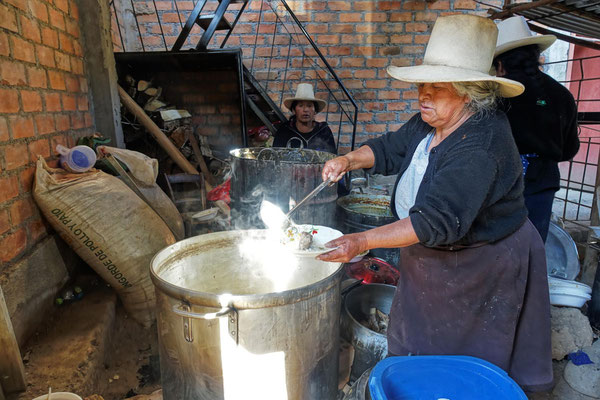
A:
441	377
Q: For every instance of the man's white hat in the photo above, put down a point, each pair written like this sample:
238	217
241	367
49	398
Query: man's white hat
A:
514	32
460	49
304	92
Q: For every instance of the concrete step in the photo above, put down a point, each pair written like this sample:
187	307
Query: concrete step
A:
68	352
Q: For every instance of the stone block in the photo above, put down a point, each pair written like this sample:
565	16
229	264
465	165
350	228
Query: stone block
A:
571	331
30	286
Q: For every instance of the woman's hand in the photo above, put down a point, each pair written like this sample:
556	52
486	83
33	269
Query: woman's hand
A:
348	246
336	168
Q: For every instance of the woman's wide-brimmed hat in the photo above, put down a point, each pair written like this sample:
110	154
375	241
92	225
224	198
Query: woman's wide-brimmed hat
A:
514	32
304	92
460	49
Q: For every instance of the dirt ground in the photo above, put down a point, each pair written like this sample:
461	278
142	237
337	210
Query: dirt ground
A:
91	347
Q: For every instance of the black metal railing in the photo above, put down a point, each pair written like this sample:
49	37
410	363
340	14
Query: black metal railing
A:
277	50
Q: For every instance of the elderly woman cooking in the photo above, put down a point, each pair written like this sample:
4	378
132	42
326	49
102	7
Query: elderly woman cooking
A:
473	273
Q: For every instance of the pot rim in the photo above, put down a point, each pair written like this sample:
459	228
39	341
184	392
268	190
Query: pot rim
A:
343	202
239	302
236	154
356	323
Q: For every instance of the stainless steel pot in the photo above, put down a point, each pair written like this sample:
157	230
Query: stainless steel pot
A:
361	212
238	321
369	346
281	176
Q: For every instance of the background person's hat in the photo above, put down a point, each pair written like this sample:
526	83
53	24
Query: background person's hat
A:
514	32
304	92
460	49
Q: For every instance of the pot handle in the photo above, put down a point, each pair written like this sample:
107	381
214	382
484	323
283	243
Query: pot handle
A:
179	310
183	310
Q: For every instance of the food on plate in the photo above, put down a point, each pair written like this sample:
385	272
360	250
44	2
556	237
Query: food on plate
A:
299	238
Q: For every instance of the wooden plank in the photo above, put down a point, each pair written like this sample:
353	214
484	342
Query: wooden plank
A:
12	370
155	131
209	179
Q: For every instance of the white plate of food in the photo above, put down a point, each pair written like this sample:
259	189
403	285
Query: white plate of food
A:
309	240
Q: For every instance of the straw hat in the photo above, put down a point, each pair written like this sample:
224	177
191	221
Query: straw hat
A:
460	49
304	92
514	32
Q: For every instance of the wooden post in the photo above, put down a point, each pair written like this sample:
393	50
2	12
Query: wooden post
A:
12	371
156	133
208	178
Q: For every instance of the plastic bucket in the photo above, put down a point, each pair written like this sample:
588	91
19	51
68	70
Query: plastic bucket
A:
77	159
441	377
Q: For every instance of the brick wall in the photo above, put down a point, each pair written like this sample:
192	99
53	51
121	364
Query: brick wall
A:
43	102
359	38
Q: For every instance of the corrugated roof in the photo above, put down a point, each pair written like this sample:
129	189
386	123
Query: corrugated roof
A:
581	17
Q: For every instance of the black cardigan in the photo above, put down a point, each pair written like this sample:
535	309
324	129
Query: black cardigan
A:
472	190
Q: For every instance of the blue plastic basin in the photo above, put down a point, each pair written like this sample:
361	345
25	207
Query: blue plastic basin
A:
441	377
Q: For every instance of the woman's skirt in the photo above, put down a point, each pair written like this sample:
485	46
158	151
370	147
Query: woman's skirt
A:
489	302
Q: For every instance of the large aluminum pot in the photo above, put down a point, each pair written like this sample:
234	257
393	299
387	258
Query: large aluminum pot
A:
370	347
238	319
283	177
361	212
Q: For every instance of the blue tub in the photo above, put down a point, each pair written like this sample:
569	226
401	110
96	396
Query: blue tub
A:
441	377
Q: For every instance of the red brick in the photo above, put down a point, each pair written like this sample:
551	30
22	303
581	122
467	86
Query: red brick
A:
413	50
367	28
3	130
77	49
375	17
39	148
464	5
438	5
421	39
342	28
10	188
364	73
375	128
45	56
388	95
9	19
12	73
377	62
390	50
37	77
22	50
376	84
401	17
401	39
63	61
315	5
52	101
72	28
57	80
15	155
4	222
351	17
32	101
4	48
50	37
414	5
20	210
69	102
339	5
62	5
74	11
425	16
77	121
39	10
76	65
62	123
26	178
72	83
397	106
328	39
44	124
21	127
57	19
37	229
339	51
378	39
416	27
20	4
82	103
88	120
13	245
30	29
390	5
326	17
9	101
410	94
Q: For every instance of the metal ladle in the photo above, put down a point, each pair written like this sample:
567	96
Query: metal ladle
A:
312	194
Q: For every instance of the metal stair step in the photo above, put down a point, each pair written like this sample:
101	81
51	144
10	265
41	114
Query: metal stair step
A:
205	20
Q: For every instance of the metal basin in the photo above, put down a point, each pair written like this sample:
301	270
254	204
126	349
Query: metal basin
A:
237	320
369	346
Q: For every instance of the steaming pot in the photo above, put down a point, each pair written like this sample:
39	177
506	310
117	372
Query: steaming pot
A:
236	320
281	176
